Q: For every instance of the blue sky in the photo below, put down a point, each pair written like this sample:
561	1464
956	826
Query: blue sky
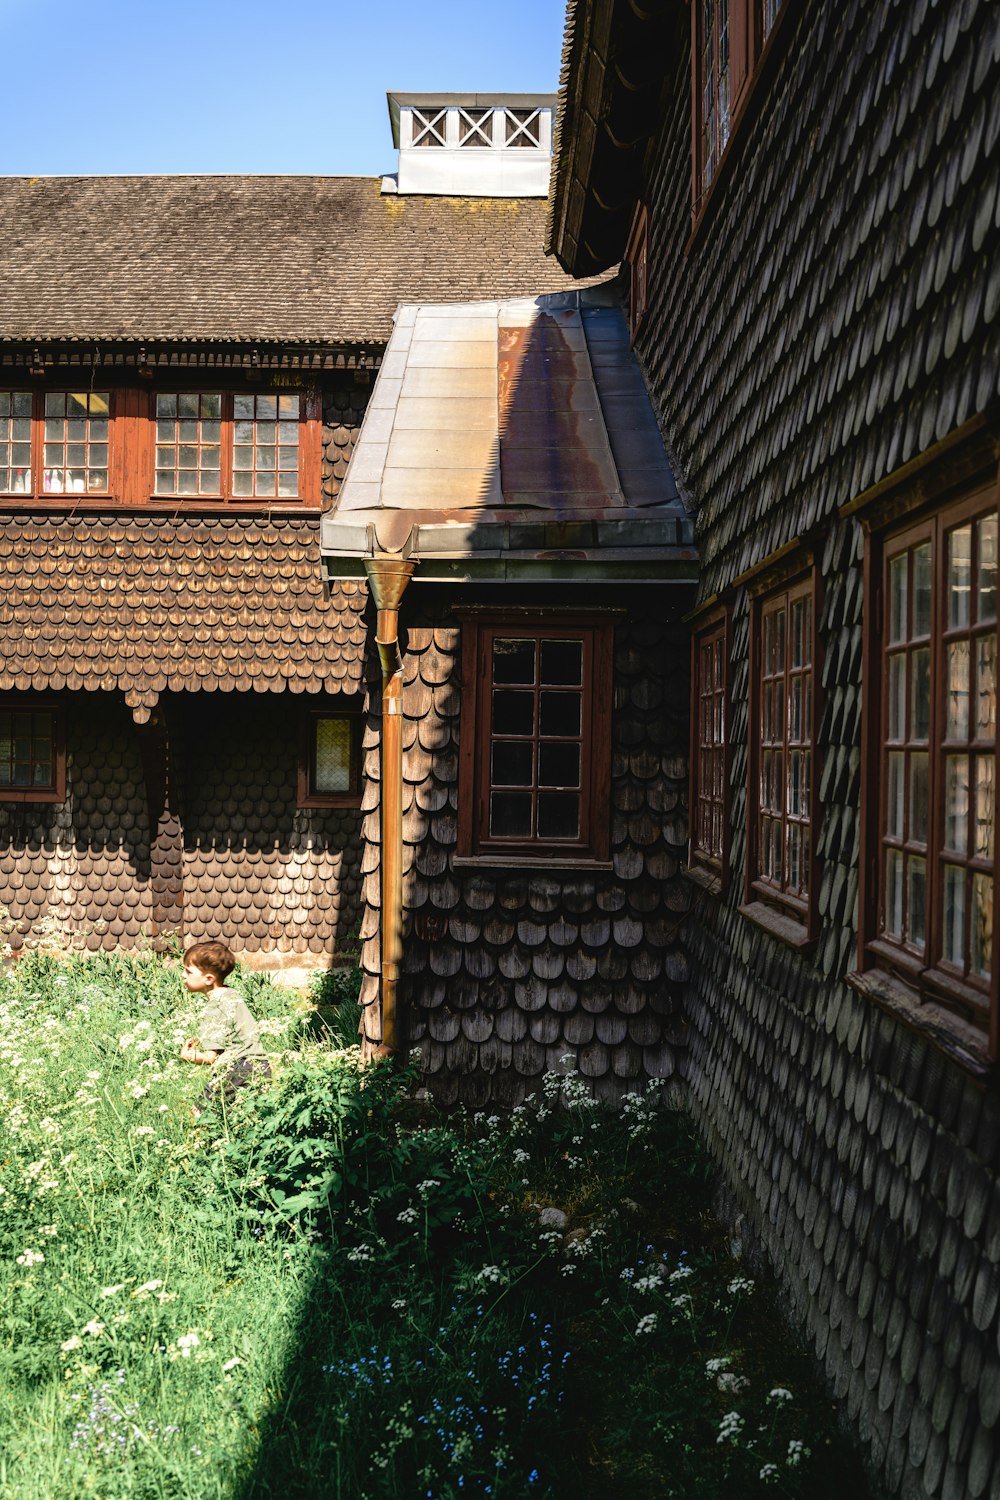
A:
243	86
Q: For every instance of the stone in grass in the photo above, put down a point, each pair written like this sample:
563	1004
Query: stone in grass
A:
553	1218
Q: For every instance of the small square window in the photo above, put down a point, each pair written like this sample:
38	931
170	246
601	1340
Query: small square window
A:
32	753
536	783
330	760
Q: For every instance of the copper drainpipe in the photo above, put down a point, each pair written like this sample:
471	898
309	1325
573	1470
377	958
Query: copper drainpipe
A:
387	580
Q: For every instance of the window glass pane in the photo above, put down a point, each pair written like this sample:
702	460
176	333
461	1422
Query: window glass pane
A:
794	797
794	857
958	690
243	408
288	484
922	589
894	795
982	845
956	803
513	712
332	748
982	924
894	893
920	703
954	915
26	754
558	815
510	814
514	661
897	695
959	575
986	568
559	713
898	594
243	484
267	408
512	763
561	663
918	797
211	406
917	900
187	405
986	687
288	408
558	765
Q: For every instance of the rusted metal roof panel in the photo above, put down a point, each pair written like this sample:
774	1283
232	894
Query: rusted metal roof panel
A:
494	424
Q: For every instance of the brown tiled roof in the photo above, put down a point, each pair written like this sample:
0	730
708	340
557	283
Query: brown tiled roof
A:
300	259
147	605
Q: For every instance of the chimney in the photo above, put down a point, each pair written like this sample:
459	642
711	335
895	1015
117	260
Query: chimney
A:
472	145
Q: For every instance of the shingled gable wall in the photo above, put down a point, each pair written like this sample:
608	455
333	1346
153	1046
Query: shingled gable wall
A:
506	974
835	318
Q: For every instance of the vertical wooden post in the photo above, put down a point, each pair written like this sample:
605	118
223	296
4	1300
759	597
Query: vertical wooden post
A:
387	579
166	833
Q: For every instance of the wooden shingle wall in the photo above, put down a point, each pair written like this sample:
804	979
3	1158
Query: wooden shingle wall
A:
259	873
835	318
505	974
84	863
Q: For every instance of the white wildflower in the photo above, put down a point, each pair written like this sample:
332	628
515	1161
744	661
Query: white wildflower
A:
779	1394
730	1427
797	1451
71	1344
30	1258
768	1473
94	1327
407	1215
646	1325
231	1364
112	1291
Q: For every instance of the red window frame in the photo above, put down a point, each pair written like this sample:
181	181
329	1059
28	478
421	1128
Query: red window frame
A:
132	448
307	794
478	737
637	260
783	810
55	789
730	40
708	849
916	822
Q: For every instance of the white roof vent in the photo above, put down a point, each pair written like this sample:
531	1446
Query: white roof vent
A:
472	145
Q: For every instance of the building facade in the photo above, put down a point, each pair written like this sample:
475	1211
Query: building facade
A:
806	199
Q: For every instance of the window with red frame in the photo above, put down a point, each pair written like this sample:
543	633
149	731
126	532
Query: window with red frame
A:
32	754
782	806
637	260
229	445
536	737
709	747
729	38
934	924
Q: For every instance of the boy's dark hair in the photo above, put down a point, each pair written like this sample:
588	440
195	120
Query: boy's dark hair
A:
211	958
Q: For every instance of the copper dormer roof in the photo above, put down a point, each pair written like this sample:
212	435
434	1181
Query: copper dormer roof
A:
511	439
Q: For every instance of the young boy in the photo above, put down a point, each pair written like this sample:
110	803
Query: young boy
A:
228	1040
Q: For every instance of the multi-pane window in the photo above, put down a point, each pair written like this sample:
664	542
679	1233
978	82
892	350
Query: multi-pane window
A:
75	456
709	773
781	750
536	780
188	444
713	75
937	901
31	761
729	40
265	444
15	443
329	763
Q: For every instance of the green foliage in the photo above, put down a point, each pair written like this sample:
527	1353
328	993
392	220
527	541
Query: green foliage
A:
330	1289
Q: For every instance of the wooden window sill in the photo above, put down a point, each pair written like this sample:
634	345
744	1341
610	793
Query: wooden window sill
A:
29	795
709	880
157	506
529	862
779	924
958	1039
323	804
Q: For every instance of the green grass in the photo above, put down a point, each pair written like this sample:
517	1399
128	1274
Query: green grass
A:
334	1291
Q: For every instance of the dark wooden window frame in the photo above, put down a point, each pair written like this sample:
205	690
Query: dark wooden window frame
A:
710	865
637	260
787	915
132	450
922	969
752	61
479	628
953	476
306	794
56	790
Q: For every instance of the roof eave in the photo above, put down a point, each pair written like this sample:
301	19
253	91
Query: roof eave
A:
616	56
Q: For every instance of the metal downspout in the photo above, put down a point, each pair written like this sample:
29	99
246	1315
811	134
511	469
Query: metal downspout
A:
387	580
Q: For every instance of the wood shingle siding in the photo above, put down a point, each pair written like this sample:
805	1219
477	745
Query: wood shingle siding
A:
506	972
